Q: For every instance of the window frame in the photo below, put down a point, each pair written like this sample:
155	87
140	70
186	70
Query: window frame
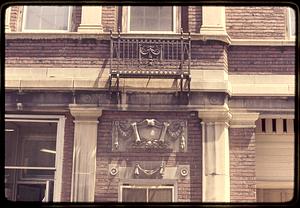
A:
147	187
176	20
47	30
60	121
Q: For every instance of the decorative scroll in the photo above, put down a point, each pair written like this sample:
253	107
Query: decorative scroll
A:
149	134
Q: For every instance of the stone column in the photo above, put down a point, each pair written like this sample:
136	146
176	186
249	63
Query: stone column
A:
84	153
91	19
7	19
216	175
213	20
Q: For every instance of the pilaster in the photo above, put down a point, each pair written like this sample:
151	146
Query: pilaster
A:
216	175
213	21
7	19
84	154
91	19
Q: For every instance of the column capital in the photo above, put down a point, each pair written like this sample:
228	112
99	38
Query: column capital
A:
215	115
242	119
85	113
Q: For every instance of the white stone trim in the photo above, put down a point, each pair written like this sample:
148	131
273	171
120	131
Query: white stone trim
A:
84	152
289	24
7	19
213	21
91	20
262	85
274	184
264	42
215	155
243	119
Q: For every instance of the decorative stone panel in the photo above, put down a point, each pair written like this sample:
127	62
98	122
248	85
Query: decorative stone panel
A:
149	170
149	134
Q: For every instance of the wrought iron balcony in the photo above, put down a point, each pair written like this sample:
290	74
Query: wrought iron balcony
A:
150	58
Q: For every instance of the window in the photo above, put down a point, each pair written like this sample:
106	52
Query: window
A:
274	195
263	125
291	22
284	125
273	125
32	158
50	18
139	193
151	19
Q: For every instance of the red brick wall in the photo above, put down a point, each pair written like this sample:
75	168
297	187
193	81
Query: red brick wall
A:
63	53
261	59
109	18
107	187
87	53
67	159
242	165
255	22
194	18
209	54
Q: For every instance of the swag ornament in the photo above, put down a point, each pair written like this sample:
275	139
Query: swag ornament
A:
149	134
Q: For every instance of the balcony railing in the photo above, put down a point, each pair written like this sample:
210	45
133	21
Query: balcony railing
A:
150	58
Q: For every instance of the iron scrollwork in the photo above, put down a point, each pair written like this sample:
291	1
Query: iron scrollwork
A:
149	54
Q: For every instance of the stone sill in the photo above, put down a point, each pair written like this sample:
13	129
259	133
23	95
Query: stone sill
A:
106	36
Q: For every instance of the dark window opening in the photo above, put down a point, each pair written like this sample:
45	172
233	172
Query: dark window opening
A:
263	125
284	125
273	125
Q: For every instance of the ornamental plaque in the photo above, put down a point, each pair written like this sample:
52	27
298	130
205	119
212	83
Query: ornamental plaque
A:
149	134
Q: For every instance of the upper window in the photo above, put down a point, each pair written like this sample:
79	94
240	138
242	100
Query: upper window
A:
147	18
291	22
150	19
50	18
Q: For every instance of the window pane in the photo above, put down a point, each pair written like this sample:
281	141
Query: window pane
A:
160	195
151	18
134	195
33	18
47	17
30	192
30	144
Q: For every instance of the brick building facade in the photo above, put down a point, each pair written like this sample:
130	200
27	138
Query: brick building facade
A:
126	103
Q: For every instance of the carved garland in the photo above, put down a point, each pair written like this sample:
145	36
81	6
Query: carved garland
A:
125	129
149	172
